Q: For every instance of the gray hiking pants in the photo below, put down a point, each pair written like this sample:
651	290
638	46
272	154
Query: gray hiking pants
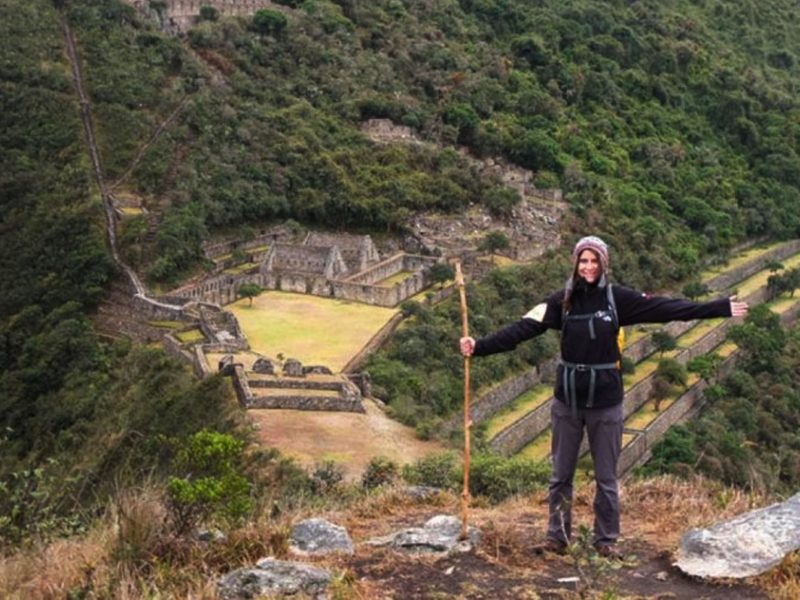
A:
604	427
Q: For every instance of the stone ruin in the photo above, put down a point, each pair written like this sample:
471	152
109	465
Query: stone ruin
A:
292	385
532	229
180	15
342	266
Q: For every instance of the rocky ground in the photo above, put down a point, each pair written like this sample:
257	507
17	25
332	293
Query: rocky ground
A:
656	513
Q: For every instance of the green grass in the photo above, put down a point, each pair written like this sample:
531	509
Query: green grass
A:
240	268
167	324
539	448
517	409
190	336
759	280
130	211
396	278
739	260
316	331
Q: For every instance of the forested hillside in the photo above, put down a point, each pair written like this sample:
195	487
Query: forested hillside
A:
672	127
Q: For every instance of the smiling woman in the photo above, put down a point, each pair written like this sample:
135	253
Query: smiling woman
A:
316	331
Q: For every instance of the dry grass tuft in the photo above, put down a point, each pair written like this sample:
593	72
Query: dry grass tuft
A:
52	571
782	582
663	508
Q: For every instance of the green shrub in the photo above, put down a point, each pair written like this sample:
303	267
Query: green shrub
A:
326	477
380	471
435	470
212	485
498	478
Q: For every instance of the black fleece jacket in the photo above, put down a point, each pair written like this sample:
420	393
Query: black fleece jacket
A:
577	345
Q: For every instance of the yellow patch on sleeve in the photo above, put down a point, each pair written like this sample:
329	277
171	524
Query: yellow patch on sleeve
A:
536	313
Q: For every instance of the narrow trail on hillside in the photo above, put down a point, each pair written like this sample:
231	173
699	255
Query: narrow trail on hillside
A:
148	144
91	141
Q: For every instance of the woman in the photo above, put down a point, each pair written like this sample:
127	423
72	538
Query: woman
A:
588	391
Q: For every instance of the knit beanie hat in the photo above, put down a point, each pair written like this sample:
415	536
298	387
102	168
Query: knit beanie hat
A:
600	248
596	245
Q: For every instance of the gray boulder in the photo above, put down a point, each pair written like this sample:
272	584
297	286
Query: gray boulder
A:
272	577
744	546
315	537
439	534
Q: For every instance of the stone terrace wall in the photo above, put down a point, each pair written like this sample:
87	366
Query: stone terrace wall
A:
359	287
392	266
274	235
638	451
220	289
300	402
725	280
517	435
373	344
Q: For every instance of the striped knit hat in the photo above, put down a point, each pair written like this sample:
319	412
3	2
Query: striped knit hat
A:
596	245
600	248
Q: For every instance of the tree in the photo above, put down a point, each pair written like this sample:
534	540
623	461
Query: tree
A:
774	266
663	342
672	371
208	13
249	290
660	391
494	241
705	366
269	22
694	289
668	374
441	273
761	339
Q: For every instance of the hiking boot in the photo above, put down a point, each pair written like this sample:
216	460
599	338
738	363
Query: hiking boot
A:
551	546
609	551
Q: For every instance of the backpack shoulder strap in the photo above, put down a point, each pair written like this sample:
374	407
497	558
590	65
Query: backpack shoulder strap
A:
613	304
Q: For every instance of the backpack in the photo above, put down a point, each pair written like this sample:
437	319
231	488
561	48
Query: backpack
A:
612	306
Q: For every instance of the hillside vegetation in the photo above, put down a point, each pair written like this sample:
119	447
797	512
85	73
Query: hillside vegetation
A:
672	128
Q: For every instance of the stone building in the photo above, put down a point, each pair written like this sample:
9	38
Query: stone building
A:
358	251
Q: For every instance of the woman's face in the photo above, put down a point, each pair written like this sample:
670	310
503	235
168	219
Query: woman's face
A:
589	266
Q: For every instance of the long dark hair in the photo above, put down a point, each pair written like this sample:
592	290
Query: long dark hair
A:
569	289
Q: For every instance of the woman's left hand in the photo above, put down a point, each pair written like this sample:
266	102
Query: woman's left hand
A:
738	309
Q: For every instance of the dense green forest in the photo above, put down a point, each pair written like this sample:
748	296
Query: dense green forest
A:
675	121
748	434
668	122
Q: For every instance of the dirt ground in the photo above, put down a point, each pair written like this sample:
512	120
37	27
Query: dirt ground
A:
504	566
350	439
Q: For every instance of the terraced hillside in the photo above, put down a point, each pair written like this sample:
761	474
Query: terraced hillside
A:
522	425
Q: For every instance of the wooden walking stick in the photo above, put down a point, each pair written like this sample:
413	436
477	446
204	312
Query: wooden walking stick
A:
467	419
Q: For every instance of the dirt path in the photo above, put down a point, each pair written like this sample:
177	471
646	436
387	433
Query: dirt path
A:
351	439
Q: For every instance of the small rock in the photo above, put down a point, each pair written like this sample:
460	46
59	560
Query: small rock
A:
421	492
662	576
440	534
210	535
272	577
315	537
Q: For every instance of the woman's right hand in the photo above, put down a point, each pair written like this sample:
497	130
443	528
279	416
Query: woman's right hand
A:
467	345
